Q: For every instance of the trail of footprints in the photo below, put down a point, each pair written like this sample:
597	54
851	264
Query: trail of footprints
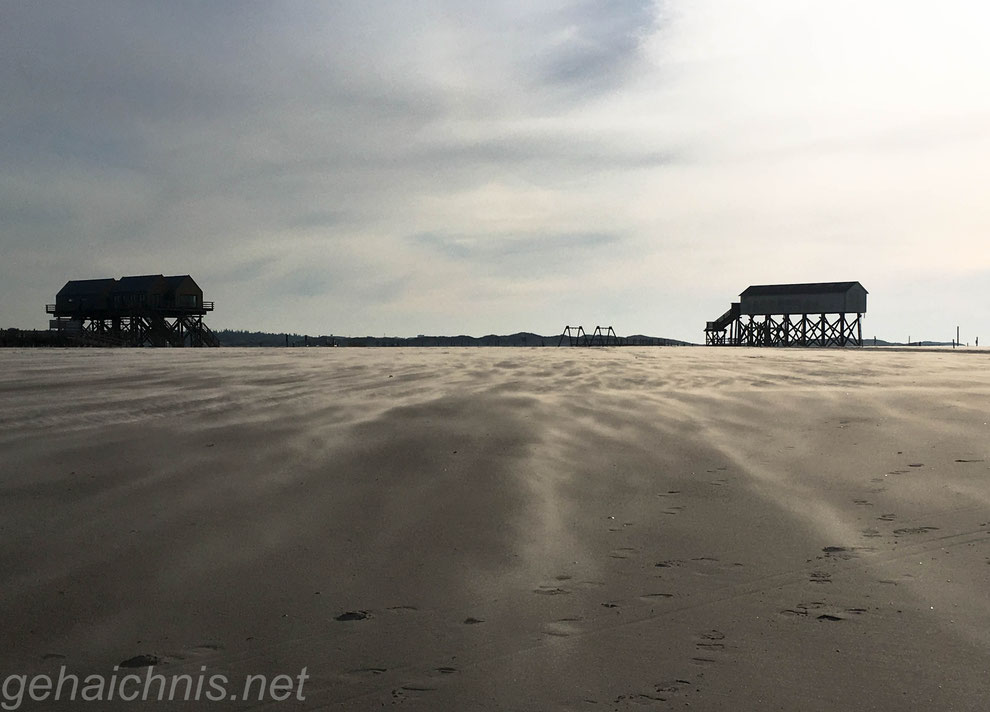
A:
667	691
429	682
873	532
564	585
820	610
708	643
709	646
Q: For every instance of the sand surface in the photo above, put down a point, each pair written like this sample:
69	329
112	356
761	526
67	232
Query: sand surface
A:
516	529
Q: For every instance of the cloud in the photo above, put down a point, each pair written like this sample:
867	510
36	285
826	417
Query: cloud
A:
515	257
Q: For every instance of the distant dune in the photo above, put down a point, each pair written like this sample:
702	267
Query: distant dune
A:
523	338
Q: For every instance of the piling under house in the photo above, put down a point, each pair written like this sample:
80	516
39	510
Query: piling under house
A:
146	310
812	314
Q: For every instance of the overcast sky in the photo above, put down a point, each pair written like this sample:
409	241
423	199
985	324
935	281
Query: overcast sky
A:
457	166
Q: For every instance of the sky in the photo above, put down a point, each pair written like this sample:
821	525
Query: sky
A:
466	167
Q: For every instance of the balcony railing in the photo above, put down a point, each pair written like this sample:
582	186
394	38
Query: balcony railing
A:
129	307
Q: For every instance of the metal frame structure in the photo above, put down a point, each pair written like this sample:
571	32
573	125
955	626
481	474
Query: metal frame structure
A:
602	336
575	336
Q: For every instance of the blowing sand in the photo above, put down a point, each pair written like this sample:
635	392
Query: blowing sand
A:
504	529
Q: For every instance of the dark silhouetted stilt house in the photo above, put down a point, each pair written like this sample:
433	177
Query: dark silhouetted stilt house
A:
149	310
815	314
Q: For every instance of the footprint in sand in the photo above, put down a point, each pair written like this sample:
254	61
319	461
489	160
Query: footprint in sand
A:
914	530
411	690
863	502
362	672
843	553
836	616
834	549
822	612
820	577
624	552
703	661
661	692
353	616
886	517
563	627
649	597
637	699
551	591
141	661
710	641
802	610
672	688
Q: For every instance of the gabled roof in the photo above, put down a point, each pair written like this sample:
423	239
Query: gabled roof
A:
143	283
85	287
774	290
176	280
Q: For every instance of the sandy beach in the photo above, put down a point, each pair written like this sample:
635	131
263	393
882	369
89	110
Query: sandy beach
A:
504	529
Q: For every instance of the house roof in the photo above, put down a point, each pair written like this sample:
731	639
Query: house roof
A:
175	280
143	283
85	287
125	285
774	290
